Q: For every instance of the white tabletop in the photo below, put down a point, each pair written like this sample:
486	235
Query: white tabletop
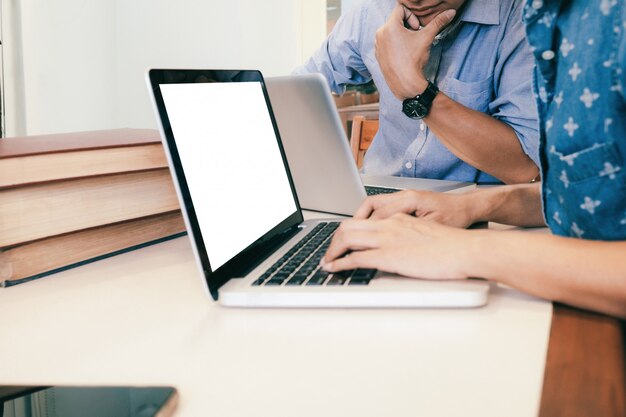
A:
144	318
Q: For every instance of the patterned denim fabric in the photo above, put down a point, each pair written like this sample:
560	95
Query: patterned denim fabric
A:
580	49
487	66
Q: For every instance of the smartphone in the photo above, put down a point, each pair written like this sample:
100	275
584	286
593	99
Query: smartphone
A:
66	401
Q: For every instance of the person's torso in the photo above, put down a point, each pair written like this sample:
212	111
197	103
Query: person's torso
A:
582	115
406	147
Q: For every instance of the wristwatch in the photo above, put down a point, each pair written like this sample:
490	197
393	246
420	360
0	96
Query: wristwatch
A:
419	106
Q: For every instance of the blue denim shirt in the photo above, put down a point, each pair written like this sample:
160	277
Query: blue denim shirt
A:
580	48
487	66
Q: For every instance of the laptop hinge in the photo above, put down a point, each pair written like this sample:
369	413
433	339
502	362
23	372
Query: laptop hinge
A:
265	249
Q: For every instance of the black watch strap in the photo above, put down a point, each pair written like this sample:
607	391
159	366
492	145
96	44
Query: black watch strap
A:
427	97
418	107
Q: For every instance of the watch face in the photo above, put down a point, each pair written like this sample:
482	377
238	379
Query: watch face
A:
414	109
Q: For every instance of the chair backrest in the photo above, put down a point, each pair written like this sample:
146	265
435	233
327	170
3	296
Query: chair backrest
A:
361	137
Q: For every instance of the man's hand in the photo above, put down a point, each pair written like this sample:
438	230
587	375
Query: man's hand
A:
403	52
458	210
401	244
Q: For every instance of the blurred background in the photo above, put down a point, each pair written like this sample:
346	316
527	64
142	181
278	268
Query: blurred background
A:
71	65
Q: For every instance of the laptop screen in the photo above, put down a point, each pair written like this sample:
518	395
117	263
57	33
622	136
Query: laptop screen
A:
232	163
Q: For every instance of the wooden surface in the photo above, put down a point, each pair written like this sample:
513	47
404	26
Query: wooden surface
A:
585	367
347	114
362	136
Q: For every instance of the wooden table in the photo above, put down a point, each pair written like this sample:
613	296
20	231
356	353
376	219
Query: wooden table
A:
585	372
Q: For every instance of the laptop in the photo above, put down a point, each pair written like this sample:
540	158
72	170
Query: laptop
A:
243	216
323	168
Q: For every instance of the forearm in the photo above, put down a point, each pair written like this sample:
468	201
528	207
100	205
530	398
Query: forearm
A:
588	274
516	205
480	140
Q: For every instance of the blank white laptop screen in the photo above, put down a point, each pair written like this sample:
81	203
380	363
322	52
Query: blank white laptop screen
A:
233	165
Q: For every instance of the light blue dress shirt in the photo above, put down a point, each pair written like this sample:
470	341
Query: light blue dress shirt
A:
580	47
487	66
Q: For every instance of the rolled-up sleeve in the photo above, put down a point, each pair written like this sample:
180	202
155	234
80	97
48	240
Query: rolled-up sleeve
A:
339	58
514	102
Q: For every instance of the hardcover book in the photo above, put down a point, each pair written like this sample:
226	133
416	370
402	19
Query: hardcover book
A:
53	254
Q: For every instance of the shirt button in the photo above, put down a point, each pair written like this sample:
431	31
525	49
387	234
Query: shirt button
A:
547	55
537	4
422	127
408	165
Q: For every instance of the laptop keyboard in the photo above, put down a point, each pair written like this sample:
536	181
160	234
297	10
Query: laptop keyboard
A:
371	190
300	265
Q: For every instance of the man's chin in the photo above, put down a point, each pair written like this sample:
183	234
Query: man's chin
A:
426	19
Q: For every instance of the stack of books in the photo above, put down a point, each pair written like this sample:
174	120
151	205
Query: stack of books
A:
69	199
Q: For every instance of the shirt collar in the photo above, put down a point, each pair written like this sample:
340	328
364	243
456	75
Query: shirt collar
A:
483	12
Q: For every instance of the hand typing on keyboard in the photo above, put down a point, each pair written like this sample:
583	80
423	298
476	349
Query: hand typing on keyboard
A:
301	264
457	210
400	244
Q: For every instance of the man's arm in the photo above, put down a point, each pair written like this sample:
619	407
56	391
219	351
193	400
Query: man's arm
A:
339	57
481	140
517	205
584	273
588	274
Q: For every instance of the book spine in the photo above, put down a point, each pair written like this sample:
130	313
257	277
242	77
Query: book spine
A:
35	212
35	169
10	283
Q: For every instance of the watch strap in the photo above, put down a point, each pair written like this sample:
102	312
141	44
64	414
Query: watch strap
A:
427	97
419	106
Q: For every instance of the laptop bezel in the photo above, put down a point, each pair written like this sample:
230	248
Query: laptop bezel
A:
256	252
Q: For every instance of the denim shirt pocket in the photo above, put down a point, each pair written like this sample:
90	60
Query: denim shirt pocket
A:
473	94
597	161
587	189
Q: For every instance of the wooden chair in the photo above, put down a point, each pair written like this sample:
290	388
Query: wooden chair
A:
361	137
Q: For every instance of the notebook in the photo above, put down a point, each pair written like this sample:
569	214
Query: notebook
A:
323	168
243	216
